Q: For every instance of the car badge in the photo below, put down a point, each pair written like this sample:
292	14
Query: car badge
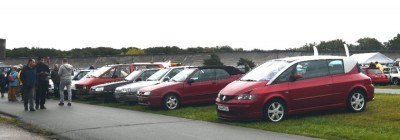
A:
223	98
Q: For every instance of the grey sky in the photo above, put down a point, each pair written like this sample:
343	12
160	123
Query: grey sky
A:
248	24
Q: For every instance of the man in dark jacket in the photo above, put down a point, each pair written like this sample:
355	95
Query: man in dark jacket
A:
43	72
29	80
56	80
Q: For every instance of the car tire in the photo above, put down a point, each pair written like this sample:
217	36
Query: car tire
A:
170	102
356	102
275	110
395	81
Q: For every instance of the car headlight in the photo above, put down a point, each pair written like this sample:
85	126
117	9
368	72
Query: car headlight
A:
147	93
247	97
99	89
124	90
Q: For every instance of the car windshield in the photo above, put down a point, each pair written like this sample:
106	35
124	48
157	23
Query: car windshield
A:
132	75
100	71
374	71
183	75
266	71
80	75
158	75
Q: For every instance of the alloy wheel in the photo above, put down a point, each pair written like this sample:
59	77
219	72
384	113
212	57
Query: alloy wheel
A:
357	101
276	111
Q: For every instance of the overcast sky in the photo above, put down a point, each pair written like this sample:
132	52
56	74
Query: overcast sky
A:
248	24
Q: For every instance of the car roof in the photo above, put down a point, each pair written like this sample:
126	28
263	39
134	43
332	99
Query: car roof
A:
298	58
231	70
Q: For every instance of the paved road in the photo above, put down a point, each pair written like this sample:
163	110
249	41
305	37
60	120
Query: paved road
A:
387	91
84	122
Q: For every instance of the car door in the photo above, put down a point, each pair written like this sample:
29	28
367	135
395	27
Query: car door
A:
312	89
223	78
201	87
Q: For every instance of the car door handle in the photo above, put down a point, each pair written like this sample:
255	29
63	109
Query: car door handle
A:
214	83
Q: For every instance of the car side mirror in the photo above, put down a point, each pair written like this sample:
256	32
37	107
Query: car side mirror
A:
297	76
190	81
166	79
115	76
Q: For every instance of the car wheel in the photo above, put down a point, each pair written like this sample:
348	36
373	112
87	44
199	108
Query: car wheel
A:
356	101
170	102
275	110
395	81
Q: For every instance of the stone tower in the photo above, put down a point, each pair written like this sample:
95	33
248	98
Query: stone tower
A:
2	49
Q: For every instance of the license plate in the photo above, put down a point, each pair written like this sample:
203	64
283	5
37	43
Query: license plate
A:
223	108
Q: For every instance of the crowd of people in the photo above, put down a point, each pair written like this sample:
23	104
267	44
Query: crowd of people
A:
30	83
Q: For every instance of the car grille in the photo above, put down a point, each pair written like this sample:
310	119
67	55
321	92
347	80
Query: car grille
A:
226	97
79	86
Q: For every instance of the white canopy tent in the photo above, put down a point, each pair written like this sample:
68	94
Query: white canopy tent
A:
366	58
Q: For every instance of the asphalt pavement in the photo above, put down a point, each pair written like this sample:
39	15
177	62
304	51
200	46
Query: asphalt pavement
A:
90	122
387	91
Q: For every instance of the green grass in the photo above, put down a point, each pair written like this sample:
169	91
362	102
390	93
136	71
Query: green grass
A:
389	87
380	120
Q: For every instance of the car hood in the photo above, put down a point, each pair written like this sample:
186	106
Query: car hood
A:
112	84
240	87
139	85
161	86
86	81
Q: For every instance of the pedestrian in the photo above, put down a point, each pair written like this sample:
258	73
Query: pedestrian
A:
21	88
13	84
379	66
66	71
29	81
3	81
43	73
372	65
56	80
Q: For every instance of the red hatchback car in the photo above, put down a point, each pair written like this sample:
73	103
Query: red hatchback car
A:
376	75
287	86
192	85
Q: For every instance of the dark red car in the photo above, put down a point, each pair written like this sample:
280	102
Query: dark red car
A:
192	85
287	86
376	75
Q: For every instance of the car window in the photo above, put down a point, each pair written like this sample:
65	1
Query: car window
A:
387	70
312	69
394	71
146	75
139	67
221	74
109	73
374	71
204	75
174	72
152	66
122	71
335	66
286	76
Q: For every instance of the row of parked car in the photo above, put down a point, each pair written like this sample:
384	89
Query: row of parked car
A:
271	91
389	75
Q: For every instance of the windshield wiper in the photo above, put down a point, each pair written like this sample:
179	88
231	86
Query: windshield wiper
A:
173	80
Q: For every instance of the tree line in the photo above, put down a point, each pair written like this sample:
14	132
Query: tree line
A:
366	43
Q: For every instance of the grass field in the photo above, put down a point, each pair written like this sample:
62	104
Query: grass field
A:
380	120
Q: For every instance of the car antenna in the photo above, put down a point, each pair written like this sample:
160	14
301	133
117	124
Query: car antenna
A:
346	48
315	51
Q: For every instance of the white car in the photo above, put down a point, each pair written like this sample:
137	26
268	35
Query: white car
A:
81	74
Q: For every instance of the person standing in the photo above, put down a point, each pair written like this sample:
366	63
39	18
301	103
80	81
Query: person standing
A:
3	81
378	66
13	84
29	81
56	80
43	72
66	71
